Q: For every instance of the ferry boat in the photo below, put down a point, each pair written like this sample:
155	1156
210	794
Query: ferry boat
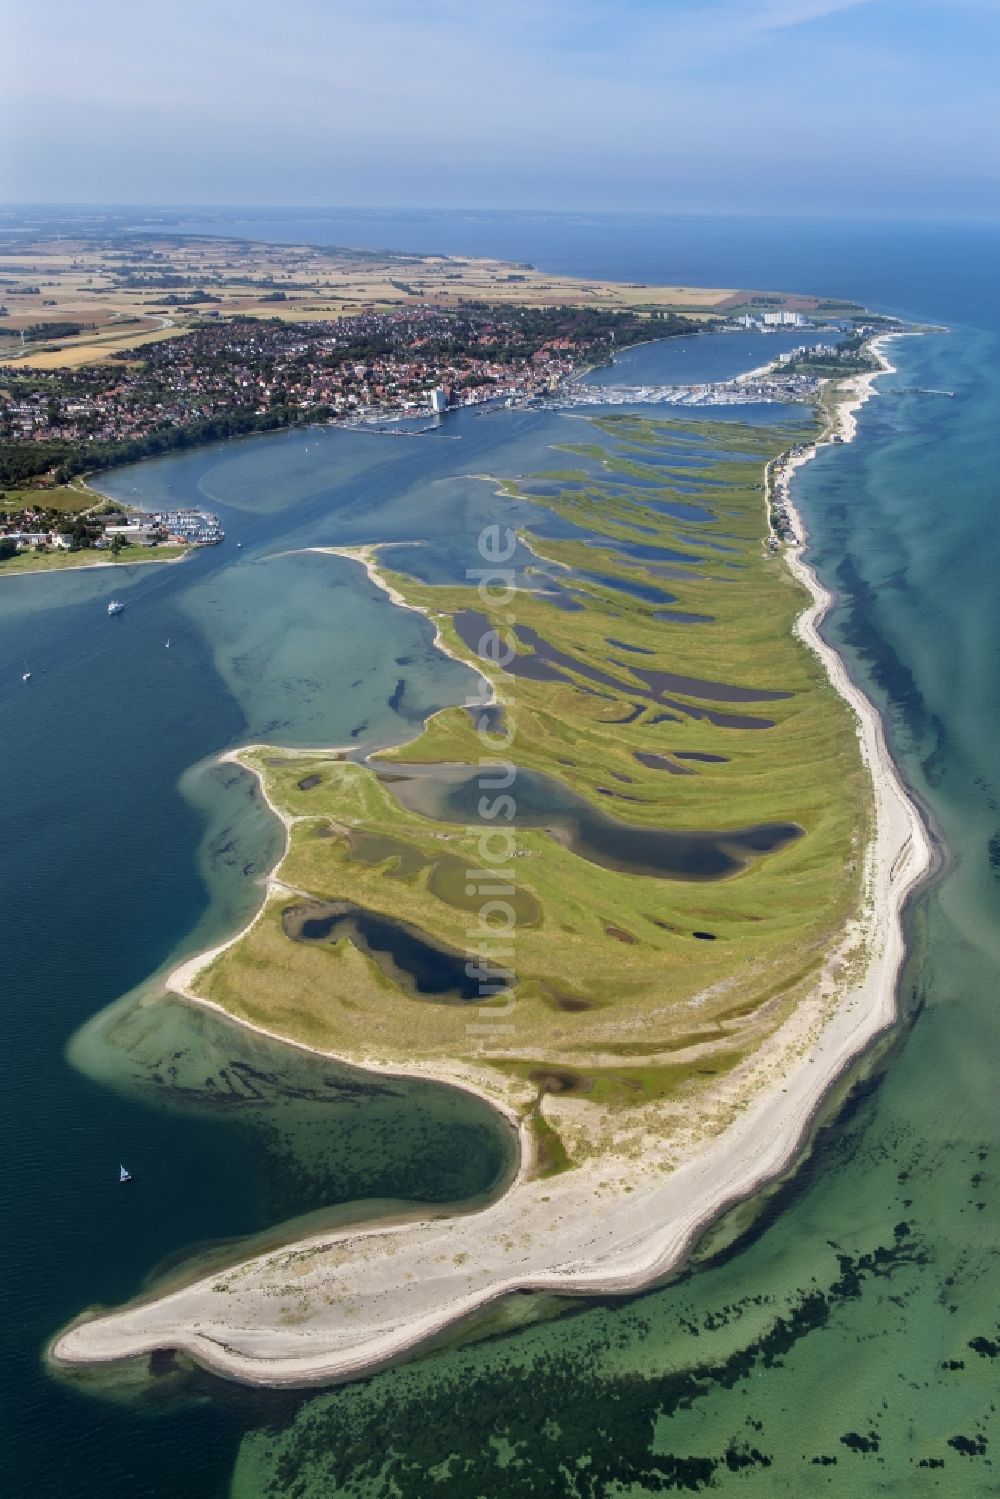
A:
116	606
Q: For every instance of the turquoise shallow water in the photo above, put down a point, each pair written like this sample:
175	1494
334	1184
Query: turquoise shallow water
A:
849	1335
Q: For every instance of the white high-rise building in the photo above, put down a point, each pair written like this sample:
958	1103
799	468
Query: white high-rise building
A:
438	399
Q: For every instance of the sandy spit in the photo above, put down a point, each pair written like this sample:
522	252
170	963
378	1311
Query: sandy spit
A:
341	1304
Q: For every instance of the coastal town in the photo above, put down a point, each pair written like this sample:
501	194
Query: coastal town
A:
116	346
226	377
248	374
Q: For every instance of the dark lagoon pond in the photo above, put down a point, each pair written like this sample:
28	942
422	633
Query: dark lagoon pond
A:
401	951
452	794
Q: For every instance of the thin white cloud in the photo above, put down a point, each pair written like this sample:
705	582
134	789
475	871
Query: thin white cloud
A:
250	101
780	14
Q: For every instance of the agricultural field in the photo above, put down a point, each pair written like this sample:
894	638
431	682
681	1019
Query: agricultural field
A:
104	297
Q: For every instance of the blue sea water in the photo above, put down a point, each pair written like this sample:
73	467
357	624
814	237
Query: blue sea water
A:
855	1320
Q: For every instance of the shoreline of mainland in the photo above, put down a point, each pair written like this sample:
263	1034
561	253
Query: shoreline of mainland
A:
363	1273
87	567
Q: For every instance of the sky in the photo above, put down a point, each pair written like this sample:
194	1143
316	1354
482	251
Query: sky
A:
881	107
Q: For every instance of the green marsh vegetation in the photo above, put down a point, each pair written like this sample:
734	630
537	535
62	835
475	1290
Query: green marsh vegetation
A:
46	561
635	994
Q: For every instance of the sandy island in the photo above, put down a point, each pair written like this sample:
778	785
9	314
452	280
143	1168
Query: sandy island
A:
341	1304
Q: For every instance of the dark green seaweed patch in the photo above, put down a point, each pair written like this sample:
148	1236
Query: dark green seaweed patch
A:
571	1431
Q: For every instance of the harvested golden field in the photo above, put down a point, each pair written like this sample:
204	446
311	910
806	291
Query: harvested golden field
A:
157	288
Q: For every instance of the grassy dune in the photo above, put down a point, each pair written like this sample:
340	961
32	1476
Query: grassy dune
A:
617	1004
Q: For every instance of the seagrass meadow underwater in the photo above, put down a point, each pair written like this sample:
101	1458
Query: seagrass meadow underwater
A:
839	1334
